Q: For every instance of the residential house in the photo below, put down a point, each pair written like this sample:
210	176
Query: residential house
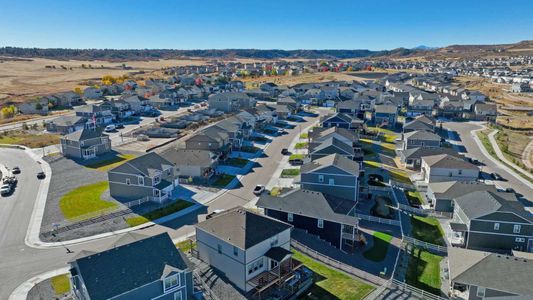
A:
520	87
163	101
485	111
350	107
349	137
138	104
412	158
192	164
420	123
247	248
329	146
93	93
492	220
420	138
332	219
135	267
385	115
481	275
66	124
230	101
445	167
342	121
149	176
211	139
237	129
334	175
97	114
35	107
85	144
421	107
440	195
292	104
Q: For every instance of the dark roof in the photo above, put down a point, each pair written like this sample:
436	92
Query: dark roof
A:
492	271
185	157
422	135
448	162
311	204
321	132
332	141
242	228
418	152
146	165
84	134
481	203
342	162
386	109
454	189
68	120
277	253
124	268
418	125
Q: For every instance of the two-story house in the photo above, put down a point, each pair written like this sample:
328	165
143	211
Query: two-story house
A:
333	175
420	123
135	267
211	139
85	144
149	176
421	138
247	248
230	101
330	145
98	114
192	164
349	137
493	220
385	115
440	195
66	124
445	167
342	120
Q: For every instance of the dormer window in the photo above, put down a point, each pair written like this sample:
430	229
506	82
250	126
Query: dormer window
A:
171	281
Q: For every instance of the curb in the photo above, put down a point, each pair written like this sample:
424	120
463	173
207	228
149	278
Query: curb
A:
21	292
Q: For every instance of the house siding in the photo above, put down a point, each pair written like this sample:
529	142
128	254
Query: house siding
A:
344	186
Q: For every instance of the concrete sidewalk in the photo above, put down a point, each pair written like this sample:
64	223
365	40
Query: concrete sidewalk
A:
500	155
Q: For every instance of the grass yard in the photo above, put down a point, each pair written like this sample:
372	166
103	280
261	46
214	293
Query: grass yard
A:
290	173
427	229
275	191
85	202
158	213
223	180
400	176
236	162
296	156
249	149
414	197
186	245
301	145
60	284
109	164
379	249
29	139
304	135
423	271
332	284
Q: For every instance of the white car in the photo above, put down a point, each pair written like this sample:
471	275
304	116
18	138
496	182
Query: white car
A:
5	189
259	189
110	128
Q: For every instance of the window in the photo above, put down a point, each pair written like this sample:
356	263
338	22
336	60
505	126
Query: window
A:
235	251
274	241
331	181
257	265
140	180
219	248
128	182
480	292
320	178
178	296
171	282
290	217
496	226
157	179
516	228
320	223
460	172
520	240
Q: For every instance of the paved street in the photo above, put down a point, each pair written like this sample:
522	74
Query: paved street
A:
15	215
464	131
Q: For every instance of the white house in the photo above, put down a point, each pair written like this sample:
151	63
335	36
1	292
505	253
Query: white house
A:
445	167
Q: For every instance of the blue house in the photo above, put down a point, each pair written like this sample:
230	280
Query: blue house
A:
385	115
342	121
136	267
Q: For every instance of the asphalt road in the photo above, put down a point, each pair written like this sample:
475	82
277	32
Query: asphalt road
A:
18	262
464	131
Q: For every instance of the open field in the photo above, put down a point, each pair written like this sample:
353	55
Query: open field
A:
31	140
252	83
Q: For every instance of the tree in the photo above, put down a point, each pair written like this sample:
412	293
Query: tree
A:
78	91
38	106
8	111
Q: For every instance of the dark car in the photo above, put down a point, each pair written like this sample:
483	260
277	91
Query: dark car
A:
119	126
509	190
283	132
41	175
15	170
496	176
296	162
285	151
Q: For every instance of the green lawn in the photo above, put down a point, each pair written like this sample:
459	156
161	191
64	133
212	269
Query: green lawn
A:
84	201
109	164
332	284
304	135
249	149
223	180
301	145
158	213
379	249
427	229
186	245
236	162
290	173
423	271
60	284
414	197
296	156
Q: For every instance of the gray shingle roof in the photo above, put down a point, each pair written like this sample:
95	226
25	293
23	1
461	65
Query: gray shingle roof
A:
184	157
448	161
347	165
146	165
277	253
454	189
321	132
329	142
386	109
422	135
481	203
491	270
311	204
242	228
84	134
68	120
418	152
121	269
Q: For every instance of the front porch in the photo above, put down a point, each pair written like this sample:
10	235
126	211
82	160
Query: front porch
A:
456	234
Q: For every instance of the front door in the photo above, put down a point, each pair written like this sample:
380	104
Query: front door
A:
273	264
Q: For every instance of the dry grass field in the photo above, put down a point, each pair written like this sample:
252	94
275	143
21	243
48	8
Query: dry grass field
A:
305	78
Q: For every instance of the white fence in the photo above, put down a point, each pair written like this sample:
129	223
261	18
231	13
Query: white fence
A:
377	219
425	245
404	287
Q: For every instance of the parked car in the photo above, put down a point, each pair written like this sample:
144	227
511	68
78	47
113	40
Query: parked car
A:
15	170
509	190
203	104
119	126
296	162
5	189
285	151
110	128
41	175
259	189
496	176
216	211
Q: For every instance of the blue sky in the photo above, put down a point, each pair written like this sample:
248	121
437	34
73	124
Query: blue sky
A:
269	24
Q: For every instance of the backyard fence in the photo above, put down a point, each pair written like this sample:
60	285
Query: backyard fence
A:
337	264
377	219
409	289
207	292
437	249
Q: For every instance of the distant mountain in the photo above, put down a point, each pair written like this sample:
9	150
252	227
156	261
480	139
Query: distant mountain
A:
424	47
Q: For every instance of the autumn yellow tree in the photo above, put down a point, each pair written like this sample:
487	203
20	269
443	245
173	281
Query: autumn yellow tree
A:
78	91
8	111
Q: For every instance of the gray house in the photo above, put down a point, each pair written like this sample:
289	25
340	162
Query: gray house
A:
66	124
195	164
230	101
478	275
329	146
136	267
412	158
248	248
333	175
420	123
385	115
349	137
421	138
444	167
441	194
146	177
211	139
492	220
85	144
